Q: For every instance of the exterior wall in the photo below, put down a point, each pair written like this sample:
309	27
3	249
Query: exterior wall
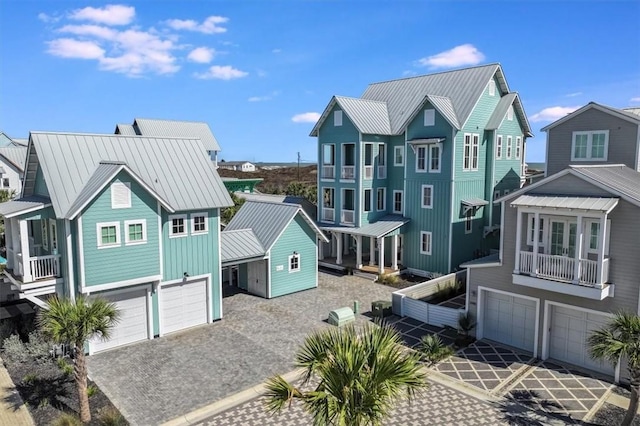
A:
124	262
40	187
13	175
298	237
623	140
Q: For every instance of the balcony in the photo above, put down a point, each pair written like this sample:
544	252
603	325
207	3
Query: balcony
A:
328	214
348	172
348	217
328	172
563	269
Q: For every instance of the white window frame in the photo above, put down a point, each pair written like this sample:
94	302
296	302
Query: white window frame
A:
384	199
114	185
429	117
530	228
426	159
510	113
337	118
475	151
589	135
472	144
430	205
509	147
468	222
127	223
99	227
396	150
186	226
429	235
45	235
367	208
395	192
588	234
291	257
192	216
492	88
518	147
499	147
430	161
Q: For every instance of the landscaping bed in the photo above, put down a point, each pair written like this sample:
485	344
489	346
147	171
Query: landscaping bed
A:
611	415
400	281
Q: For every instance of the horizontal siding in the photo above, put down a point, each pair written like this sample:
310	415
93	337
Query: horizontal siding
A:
623	140
300	238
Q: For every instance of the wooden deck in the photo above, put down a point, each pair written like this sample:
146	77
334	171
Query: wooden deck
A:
349	262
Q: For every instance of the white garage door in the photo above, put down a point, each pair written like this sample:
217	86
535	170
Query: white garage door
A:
510	320
184	305
568	335
132	326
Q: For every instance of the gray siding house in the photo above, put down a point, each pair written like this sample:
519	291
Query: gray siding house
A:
594	134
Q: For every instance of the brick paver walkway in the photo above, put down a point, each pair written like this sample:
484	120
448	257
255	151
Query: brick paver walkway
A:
12	410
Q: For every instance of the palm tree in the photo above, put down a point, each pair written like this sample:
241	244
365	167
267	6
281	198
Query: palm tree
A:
620	338
359	376
74	322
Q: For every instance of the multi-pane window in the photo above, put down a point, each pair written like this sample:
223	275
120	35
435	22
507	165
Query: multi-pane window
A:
594	231
509	146
380	199
397	202
45	238
398	156
471	147
177	226
429	117
367	200
427	196
135	231
434	158
474	152
421	159
425	242
294	262
530	229
199	223
499	147
518	146
590	146
108	234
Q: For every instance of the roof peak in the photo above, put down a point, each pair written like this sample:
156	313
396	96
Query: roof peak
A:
493	64
112	135
170	119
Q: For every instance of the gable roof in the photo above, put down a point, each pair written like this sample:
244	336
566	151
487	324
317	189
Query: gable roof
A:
15	155
176	170
268	220
625	115
239	245
125	129
369	117
176	129
6	140
500	112
309	208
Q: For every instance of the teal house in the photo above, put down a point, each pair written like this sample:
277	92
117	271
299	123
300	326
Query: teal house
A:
134	219
408	172
271	249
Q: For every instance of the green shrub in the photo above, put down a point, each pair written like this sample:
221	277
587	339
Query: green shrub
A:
14	349
30	378
38	347
67	419
388	279
67	369
7	328
91	390
109	416
433	349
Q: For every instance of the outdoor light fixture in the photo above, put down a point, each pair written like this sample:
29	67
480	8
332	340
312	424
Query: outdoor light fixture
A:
186	275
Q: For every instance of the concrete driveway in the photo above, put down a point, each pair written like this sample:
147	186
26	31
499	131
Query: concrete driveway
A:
158	380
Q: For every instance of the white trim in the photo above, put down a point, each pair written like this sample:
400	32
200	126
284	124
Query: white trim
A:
480	310
589	134
125	186
602	108
99	227
585	292
81	254
149	313
364	200
429	168
509	147
185	225
219	283
69	254
429	117
422	204
127	223
474	140
492	87
395	150
44	231
384	199
430	240
502	209
291	257
120	284
638	159
401	192
468	222
29	210
452	198
510	113
160	238
499	147
426	158
268	292
360	194
193	224
518	152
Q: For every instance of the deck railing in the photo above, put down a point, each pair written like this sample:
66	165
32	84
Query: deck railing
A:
328	172
44	266
562	268
328	214
348	216
348	172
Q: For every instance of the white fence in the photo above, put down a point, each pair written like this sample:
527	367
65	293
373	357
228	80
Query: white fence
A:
407	303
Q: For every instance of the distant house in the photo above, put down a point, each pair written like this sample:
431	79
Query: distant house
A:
6	140
239	166
271	249
12	162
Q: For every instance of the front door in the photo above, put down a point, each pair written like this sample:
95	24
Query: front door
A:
563	238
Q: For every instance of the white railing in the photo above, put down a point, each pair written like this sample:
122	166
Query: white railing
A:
368	172
328	172
44	266
562	268
382	172
328	214
348	216
348	172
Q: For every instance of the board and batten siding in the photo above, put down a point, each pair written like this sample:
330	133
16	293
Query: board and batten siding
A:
623	140
298	237
124	262
623	272
193	254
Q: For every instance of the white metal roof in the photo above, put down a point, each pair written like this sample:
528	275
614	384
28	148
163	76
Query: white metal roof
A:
177	129
240	244
377	229
15	155
23	205
598	204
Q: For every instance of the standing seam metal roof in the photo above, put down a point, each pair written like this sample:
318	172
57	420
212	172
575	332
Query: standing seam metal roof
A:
125	129
619	178
239	245
16	155
178	129
178	170
599	204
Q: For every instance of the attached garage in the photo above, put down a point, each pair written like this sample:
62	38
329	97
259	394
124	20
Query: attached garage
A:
569	329
509	319
134	320
183	305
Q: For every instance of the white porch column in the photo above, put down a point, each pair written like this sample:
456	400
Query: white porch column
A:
372	251
358	251
516	269
24	244
339	248
602	241
8	240
536	243
345	242
381	255
394	253
15	237
333	243
578	255
320	249
230	272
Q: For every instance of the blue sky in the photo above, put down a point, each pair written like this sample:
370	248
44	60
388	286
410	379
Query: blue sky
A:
260	71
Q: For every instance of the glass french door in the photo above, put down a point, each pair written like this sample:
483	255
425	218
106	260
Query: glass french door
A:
563	238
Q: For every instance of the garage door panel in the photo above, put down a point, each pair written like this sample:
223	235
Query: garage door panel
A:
132	326
184	305
509	320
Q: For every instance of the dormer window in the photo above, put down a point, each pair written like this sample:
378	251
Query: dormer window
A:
510	113
429	117
120	195
337	118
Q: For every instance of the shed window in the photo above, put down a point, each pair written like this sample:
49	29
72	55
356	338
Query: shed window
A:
199	223
294	262
120	195
398	156
178	226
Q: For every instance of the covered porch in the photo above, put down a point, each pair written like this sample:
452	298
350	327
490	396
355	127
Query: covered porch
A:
364	248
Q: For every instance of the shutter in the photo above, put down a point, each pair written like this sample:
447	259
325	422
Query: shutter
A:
120	195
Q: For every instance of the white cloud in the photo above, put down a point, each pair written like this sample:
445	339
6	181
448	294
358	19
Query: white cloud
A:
465	54
306	117
573	95
264	98
636	99
208	26
201	55
552	113
70	48
48	19
111	14
97	31
276	51
226	72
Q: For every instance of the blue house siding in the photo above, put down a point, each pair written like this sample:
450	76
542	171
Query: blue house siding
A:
40	186
124	262
298	237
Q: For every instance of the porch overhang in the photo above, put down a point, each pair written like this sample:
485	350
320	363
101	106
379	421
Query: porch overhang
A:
472	204
413	143
24	205
378	229
584	204
240	246
587	292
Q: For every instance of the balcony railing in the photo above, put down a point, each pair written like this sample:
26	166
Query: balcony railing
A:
562	268
328	172
45	266
348	216
328	214
348	172
382	172
368	172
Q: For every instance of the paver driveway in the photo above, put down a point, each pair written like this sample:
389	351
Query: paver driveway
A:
161	379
